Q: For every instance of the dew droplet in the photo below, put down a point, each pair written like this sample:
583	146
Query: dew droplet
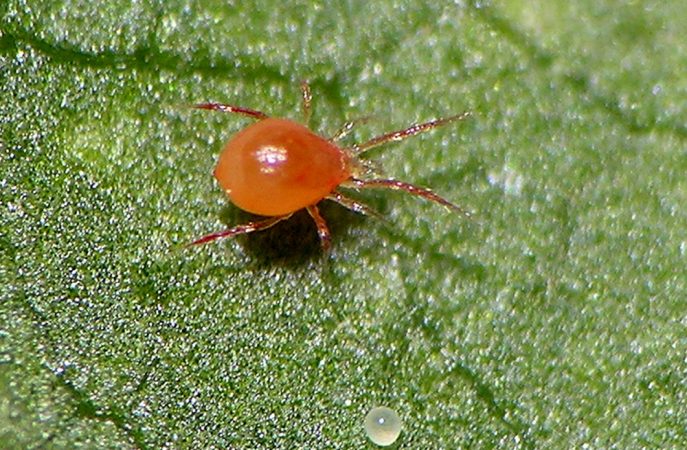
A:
382	425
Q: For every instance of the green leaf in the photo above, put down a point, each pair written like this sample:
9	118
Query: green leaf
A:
555	318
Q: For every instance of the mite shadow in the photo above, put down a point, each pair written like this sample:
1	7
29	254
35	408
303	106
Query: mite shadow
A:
293	242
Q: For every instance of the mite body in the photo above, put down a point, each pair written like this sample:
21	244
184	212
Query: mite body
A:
275	167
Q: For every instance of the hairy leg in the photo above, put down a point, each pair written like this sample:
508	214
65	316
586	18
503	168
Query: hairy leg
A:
407	187
322	230
221	107
413	130
347	128
306	105
353	205
240	229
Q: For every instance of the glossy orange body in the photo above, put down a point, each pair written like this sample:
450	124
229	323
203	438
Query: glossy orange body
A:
277	166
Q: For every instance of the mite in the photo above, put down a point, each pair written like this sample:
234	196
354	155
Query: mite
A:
275	167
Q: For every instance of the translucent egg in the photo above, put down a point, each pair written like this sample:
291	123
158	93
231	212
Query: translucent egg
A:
382	425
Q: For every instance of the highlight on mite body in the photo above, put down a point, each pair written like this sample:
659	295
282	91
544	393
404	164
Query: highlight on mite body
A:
276	167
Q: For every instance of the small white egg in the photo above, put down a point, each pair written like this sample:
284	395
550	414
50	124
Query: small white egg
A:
382	425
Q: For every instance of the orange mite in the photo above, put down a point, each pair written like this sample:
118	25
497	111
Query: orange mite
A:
276	167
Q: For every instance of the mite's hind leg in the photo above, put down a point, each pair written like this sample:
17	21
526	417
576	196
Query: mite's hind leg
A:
221	107
406	133
306	105
407	187
322	230
241	229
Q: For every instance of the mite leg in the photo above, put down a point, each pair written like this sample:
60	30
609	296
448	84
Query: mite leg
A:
347	128
406	133
241	229
221	107
322	230
353	205
407	187
306	105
